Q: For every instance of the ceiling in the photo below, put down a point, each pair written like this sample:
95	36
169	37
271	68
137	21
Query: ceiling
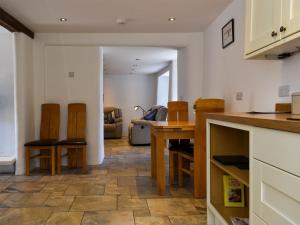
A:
123	60
101	15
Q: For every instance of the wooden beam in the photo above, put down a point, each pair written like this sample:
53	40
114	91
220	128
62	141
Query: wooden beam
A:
13	25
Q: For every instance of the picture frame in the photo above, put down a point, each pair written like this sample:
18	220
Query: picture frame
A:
228	34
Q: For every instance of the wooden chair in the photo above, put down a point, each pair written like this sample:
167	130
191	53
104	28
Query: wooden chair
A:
49	134
177	111
283	107
75	142
186	155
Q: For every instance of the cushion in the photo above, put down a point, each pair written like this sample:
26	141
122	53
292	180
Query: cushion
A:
78	141
50	142
150	115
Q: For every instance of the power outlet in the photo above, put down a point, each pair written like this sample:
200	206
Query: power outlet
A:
284	91
239	96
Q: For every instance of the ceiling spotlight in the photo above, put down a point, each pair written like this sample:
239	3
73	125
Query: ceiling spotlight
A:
63	19
137	59
172	19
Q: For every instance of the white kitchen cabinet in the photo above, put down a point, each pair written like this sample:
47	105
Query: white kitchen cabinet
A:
272	182
291	17
272	28
263	22
276	196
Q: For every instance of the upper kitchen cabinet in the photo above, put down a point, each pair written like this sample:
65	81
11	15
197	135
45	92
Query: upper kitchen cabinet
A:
291	18
272	28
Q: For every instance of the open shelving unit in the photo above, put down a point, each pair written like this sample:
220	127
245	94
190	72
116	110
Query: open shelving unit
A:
227	141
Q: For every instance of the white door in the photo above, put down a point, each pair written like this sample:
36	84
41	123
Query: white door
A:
263	20
291	17
276	196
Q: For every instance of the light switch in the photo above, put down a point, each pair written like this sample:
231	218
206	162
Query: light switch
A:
71	74
239	96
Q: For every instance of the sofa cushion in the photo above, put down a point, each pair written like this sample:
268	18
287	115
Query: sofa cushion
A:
150	115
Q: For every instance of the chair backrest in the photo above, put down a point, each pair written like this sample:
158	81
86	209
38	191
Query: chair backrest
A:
202	106
283	107
178	111
50	121
76	120
161	114
110	109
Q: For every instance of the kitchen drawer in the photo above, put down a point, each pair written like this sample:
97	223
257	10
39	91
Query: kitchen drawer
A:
276	195
280	149
256	220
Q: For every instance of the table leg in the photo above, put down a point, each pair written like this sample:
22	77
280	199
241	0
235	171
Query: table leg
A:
153	155
200	167
160	165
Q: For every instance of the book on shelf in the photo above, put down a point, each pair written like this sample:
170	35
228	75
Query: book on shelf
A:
239	221
234	192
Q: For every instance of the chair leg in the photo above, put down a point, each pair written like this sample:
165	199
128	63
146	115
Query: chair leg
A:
27	155
84	162
58	160
173	166
52	161
180	173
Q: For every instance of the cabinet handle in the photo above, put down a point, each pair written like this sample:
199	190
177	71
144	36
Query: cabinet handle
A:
282	29
274	34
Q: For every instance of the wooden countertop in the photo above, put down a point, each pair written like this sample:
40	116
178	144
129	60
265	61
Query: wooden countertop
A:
172	124
271	121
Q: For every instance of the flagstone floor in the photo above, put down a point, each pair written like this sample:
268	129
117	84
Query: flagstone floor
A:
119	192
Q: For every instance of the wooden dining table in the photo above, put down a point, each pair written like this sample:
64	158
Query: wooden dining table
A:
160	133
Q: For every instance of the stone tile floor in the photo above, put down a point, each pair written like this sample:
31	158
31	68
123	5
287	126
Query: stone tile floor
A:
119	192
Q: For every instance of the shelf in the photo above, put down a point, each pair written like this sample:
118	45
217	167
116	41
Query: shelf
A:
227	212
240	175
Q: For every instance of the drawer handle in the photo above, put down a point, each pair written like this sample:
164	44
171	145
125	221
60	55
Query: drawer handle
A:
282	29
274	34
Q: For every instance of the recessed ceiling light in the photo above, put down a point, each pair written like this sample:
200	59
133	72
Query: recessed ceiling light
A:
63	19
172	19
137	59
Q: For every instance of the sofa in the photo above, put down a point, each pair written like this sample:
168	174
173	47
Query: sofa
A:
113	123
139	129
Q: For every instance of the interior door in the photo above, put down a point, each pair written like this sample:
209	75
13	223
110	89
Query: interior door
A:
291	17
263	20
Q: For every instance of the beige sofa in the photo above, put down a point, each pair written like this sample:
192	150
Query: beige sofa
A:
113	123
139	129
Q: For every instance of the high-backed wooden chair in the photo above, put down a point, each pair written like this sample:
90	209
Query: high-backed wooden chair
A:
49	134
177	111
75	141
187	155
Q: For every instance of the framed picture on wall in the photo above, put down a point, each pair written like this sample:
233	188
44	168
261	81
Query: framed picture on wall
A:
228	34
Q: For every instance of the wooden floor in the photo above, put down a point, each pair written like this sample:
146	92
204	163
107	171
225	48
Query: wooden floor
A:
119	192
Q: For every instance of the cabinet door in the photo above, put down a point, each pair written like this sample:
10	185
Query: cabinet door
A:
291	17
263	20
276	196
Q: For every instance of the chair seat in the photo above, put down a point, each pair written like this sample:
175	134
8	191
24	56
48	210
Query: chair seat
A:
50	142
72	142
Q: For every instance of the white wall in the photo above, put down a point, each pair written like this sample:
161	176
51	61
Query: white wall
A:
83	88
126	91
226	72
24	93
7	99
